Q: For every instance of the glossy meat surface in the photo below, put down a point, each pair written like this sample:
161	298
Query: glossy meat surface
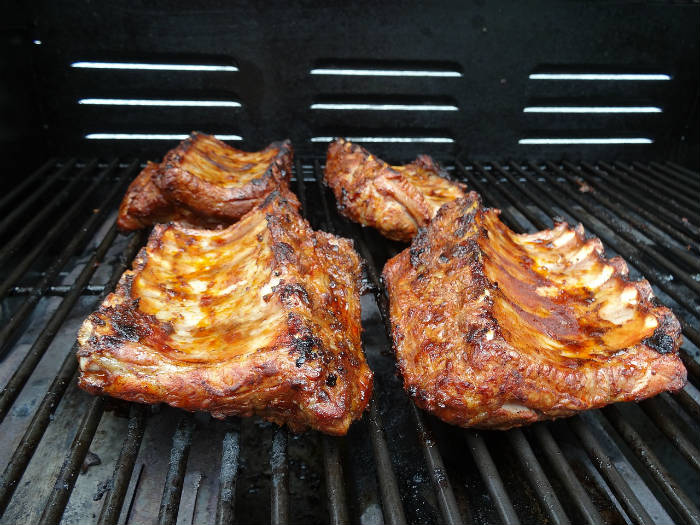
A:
260	318
396	200
204	182
493	329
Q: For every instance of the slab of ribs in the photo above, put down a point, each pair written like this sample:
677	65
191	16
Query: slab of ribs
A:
204	182
259	318
396	200
493	329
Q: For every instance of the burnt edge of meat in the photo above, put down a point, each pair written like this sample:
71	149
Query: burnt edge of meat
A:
666	336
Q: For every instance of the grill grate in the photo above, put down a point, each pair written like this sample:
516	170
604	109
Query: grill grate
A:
608	466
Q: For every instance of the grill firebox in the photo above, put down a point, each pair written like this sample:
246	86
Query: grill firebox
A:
69	457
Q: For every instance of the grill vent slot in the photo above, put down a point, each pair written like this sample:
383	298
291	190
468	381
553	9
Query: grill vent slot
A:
589	105
151	136
591	109
174	95
159	102
391	102
147	66
429	140
387	68
600	76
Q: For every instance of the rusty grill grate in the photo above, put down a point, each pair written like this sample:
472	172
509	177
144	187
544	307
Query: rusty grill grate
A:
72	458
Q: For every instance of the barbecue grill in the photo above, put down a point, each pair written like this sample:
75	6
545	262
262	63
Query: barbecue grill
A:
608	91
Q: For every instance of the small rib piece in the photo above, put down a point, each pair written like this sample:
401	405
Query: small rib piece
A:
260	318
204	182
396	200
493	329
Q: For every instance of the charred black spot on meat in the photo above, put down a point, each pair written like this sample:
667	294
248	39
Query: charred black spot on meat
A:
416	255
660	341
127	325
287	291
342	203
304	343
331	379
464	221
97	320
283	252
469	251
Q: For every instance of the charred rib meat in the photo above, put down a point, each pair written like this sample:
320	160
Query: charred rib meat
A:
204	182
396	200
262	317
493	329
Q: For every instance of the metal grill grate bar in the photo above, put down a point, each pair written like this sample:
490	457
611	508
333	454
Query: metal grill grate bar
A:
230	462
670	188
52	235
666	176
687	401
625	495
29	228
179	453
12	195
26	204
669	487
491	477
30	440
389	488
529	215
660	416
280	478
42	343
124	468
537	477
641	197
60	290
619	196
71	466
566	475
335	485
679	172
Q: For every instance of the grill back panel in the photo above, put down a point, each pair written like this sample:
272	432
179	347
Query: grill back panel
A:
481	56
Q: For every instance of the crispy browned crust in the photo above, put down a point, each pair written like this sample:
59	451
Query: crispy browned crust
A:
260	318
396	200
205	182
493	330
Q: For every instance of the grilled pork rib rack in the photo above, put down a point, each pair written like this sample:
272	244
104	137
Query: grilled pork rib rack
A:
493	329
262	317
396	200
204	182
